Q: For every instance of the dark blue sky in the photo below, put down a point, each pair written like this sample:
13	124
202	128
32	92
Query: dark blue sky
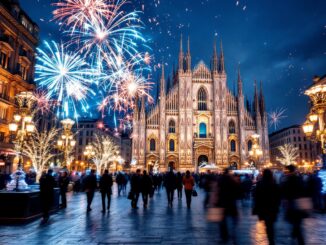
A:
282	43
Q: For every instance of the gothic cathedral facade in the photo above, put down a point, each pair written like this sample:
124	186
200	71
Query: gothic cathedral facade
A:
199	120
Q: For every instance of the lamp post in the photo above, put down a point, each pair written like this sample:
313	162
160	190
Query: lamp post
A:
314	126
89	153
255	152
22	127
66	142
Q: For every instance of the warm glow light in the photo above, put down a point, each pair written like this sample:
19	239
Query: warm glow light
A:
308	128
60	142
17	117
73	143
30	128
28	119
13	127
313	117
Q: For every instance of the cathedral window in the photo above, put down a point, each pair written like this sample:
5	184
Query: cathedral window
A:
202	130
231	127
171	145
249	145
202	99
172	126
233	146
152	145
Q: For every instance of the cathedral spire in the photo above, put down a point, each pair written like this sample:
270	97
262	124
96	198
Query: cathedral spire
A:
240	92
262	99
181	57
256	100
142	109
162	83
222	68
136	110
215	58
188	56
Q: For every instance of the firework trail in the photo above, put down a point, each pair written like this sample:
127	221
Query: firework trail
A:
276	116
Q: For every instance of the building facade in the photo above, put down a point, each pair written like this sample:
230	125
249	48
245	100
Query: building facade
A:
18	41
199	120
308	152
86	129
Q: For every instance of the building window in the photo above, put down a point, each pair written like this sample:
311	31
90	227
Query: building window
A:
233	146
152	145
202	99
2	136
172	126
171	145
294	139
231	127
3	113
202	130
249	145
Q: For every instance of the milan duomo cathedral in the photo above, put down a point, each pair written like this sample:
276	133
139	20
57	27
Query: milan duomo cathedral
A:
199	120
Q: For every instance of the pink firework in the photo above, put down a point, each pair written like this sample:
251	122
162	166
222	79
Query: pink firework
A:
44	105
128	89
75	13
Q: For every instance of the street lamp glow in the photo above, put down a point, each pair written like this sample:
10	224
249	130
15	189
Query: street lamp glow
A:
13	127
308	128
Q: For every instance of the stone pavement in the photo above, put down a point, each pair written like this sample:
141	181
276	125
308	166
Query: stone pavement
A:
156	225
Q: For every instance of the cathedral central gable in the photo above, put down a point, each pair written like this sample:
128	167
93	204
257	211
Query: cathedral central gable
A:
201	72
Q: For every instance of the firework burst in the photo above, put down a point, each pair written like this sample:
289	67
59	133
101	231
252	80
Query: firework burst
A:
112	36
65	76
44	105
75	13
276	116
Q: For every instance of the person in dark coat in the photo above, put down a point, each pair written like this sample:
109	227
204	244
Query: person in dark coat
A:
47	184
179	185
266	202
170	183
228	191
293	189
135	184
90	185
146	187
2	180
63	185
106	183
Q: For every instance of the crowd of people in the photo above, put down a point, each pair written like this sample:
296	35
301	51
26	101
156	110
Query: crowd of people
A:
294	193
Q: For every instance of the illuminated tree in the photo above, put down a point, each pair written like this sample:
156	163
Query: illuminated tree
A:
105	149
289	154
39	149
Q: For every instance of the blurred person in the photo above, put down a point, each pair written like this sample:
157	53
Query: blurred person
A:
2	180
135	188
63	183
266	202
146	187
189	183
119	181
179	185
90	185
105	186
293	190
47	184
228	191
170	183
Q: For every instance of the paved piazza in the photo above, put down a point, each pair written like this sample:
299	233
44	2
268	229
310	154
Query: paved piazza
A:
156	225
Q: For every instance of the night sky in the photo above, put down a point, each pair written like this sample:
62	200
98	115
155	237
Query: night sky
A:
282	43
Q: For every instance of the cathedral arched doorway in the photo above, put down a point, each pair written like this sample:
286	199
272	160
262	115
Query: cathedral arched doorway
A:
202	159
233	166
171	165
